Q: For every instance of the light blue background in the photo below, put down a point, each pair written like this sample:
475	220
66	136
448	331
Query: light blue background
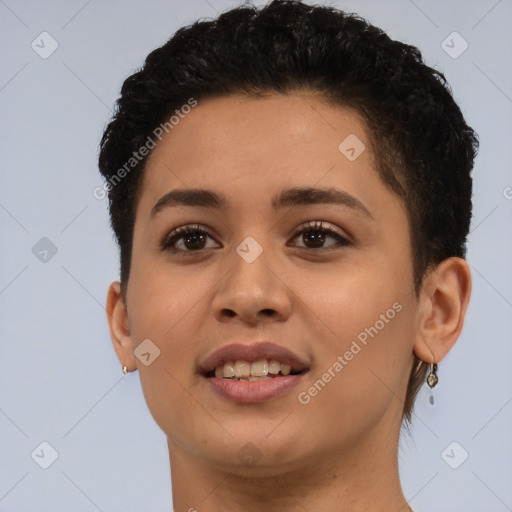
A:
60	380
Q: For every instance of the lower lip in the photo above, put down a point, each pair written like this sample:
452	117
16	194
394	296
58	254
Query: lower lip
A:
253	391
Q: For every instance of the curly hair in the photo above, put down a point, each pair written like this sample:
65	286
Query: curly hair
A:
423	148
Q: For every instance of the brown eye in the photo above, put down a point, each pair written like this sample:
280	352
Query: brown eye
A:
314	236
191	238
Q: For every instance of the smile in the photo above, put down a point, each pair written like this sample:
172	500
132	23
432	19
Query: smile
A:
252	373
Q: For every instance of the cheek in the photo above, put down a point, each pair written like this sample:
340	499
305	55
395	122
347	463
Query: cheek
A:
163	298
363	360
350	298
164	307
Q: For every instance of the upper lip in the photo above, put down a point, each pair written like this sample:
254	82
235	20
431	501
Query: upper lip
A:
251	352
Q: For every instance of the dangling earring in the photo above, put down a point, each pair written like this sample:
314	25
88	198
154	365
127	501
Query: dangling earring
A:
432	378
125	370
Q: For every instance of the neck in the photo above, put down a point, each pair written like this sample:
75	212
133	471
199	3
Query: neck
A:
362	479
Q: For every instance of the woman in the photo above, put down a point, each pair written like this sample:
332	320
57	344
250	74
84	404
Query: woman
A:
291	193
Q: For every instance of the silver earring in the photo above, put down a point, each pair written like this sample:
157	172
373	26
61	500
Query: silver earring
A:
125	370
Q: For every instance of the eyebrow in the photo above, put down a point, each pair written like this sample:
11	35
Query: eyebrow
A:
287	198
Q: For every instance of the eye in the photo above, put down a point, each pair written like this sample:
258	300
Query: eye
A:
315	234
192	238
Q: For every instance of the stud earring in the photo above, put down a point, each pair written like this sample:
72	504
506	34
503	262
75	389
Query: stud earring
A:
432	378
125	370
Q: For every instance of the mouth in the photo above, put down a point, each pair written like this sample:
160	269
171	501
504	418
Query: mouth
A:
252	372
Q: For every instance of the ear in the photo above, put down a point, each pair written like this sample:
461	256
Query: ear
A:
444	299
118	325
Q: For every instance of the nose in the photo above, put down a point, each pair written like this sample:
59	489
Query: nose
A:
253	293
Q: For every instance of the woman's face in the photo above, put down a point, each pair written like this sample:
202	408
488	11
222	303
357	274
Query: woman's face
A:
340	306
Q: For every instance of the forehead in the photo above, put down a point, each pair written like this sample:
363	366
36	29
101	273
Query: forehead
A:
242	144
257	128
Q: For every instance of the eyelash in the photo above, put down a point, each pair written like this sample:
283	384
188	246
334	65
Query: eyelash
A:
316	226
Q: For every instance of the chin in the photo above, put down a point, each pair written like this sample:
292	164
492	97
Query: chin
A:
255	448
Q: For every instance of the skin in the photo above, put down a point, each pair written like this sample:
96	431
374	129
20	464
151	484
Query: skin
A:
339	451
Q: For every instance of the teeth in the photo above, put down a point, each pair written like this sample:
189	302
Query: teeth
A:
229	369
259	370
274	367
285	369
242	369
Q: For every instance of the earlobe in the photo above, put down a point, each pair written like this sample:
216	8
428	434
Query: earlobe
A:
119	327
444	298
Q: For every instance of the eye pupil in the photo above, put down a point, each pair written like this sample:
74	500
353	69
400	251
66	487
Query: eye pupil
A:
317	239
196	238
